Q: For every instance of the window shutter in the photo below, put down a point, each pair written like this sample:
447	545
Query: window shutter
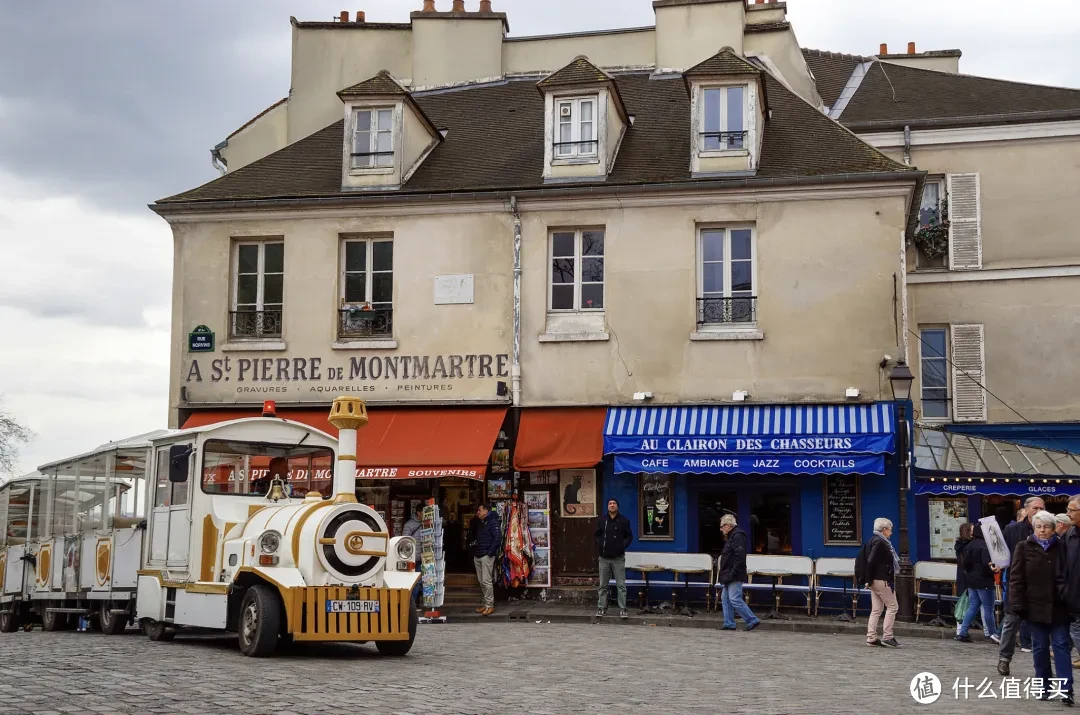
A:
965	229
968	356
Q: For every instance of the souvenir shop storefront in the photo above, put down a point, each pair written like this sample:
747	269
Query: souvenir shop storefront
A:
801	479
961	478
409	455
551	458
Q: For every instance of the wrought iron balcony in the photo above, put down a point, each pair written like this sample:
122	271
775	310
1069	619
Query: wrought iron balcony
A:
357	322
724	140
255	324
720	311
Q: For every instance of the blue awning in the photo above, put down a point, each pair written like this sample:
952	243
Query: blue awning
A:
755	439
997	487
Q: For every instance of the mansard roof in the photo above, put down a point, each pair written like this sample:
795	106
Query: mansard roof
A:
495	142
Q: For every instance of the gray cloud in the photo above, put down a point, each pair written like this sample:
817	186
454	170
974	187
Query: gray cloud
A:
120	101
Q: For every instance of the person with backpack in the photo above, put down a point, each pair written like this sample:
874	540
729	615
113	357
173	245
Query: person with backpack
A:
876	567
962	600
979	579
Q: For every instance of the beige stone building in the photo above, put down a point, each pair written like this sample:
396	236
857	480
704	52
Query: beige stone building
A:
671	262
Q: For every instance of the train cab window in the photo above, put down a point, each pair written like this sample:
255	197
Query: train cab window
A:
168	493
248	469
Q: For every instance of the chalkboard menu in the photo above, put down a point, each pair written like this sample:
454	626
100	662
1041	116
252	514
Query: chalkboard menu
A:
656	498
842	509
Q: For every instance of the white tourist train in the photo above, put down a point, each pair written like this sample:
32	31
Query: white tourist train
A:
249	526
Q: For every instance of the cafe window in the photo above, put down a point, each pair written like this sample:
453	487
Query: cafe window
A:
656	497
946	517
770	523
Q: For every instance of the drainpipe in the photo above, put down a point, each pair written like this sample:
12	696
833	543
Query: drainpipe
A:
515	365
907	144
217	159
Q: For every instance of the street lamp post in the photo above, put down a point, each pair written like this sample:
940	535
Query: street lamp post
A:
901	378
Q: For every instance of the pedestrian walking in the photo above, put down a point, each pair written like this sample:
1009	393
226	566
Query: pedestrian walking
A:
1015	533
979	578
879	574
485	548
613	535
733	575
1036	584
1070	559
962	541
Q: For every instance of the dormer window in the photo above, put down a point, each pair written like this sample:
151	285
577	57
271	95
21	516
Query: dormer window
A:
723	119
373	138
576	118
727	96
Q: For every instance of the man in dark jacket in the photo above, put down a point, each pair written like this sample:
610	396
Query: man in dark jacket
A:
962	541
1070	564
613	535
733	575
485	548
1014	534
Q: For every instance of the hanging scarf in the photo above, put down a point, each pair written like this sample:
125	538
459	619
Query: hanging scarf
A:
895	558
1045	543
518	550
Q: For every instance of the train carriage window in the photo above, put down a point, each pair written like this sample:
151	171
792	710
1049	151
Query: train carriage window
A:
4	527
248	469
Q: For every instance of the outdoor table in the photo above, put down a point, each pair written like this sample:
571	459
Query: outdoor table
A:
775	612
685	573
647	569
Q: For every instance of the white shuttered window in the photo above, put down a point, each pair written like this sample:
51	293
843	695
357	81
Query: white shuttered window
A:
965	222
969	373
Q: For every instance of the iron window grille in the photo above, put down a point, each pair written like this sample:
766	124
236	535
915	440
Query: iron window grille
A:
255	324
721	311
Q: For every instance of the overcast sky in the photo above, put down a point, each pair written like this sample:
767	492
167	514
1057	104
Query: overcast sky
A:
108	105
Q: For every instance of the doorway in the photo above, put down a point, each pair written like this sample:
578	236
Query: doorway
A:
458	500
770	523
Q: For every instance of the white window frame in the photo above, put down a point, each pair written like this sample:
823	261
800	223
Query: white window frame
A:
700	144
575	150
373	140
578	233
369	269
727	229
260	302
945	329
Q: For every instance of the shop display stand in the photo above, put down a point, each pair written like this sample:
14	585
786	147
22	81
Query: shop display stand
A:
538	506
432	564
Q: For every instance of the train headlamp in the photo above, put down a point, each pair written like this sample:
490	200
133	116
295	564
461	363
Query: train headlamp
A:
406	549
269	542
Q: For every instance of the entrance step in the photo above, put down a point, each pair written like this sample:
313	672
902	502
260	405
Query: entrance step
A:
461	579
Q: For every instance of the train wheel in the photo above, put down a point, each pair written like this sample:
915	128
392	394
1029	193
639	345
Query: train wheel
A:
53	621
9	622
156	630
111	623
400	648
260	621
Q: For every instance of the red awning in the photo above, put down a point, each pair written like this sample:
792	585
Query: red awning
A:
404	443
560	438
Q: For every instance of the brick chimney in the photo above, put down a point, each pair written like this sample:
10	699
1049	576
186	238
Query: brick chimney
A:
429	6
344	17
884	49
911	48
485	5
459	6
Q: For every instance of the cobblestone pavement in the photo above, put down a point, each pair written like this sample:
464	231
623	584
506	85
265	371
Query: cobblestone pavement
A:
498	668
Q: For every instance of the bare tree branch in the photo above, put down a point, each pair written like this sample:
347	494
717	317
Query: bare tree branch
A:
12	434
